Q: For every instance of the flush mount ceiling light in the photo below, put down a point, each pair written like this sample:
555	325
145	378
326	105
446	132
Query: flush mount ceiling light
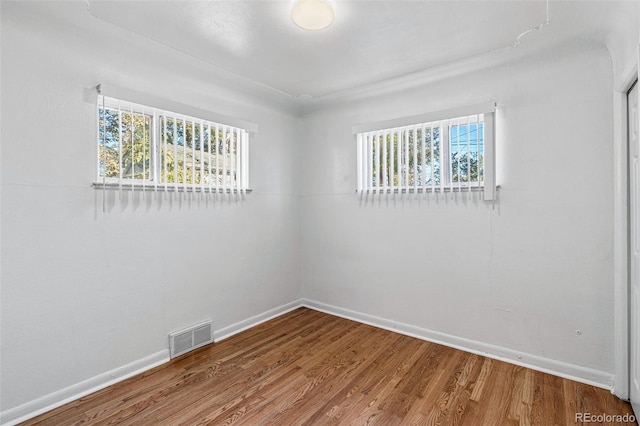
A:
312	15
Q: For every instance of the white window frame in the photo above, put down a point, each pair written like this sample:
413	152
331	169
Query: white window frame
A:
234	180
373	137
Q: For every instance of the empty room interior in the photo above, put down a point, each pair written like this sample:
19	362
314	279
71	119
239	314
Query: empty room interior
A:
319	212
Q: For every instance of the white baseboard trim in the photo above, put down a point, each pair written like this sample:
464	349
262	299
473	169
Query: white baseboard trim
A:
63	396
563	369
255	320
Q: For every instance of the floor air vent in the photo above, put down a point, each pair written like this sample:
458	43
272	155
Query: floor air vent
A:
190	338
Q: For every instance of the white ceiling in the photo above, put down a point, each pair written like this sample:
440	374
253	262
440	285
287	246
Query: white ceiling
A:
370	42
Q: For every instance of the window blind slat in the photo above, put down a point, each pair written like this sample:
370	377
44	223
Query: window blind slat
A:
378	163
217	142
175	150
184	155
370	159
445	167
193	155
480	154
232	162
458	176
236	158
489	155
415	159
201	168
423	154
120	142
104	153
359	160
392	171
405	160
144	151
385	177
433	164
468	156
240	156
399	179
133	151
236	154
246	160
155	147
210	140
224	159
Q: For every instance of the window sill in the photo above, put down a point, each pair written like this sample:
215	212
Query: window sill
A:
436	190
151	187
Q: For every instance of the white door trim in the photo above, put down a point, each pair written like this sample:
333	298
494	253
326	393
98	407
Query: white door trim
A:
621	236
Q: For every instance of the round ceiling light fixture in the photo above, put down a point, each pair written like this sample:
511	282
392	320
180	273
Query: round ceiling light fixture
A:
312	15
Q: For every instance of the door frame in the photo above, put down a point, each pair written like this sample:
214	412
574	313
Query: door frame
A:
621	234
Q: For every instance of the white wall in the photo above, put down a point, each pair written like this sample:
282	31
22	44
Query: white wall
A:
622	43
523	276
85	292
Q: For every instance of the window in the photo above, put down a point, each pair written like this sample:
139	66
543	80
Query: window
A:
142	147
443	155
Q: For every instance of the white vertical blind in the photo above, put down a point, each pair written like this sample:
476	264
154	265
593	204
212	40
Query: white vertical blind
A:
433	164
392	169
245	156
385	177
359	157
415	159
209	157
151	149
217	163
449	155
468	156
144	153
232	140
423	153
202	174
399	158
155	149
193	154
454	146
405	182
489	157
377	150
119	146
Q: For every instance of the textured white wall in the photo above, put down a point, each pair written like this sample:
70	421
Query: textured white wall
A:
523	276
84	292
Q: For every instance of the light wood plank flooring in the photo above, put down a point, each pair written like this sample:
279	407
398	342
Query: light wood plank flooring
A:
307	367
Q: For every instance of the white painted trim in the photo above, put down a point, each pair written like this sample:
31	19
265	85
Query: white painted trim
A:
563	369
620	238
243	325
174	107
483	108
63	396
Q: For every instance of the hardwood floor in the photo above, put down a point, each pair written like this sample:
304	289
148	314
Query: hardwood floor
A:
308	367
